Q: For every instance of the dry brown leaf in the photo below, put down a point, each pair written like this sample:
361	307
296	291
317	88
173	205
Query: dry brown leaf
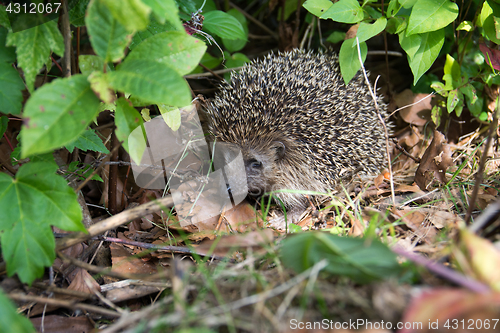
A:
79	282
416	221
483	258
123	262
434	308
228	244
63	324
418	114
434	163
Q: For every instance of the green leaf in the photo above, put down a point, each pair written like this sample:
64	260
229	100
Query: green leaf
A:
127	119
410	44
92	63
436	115
36	199
428	50
33	48
407	3
10	320
349	60
234	45
392	9
431	15
166	10
108	37
77	12
132	14
336	37
452	100
101	87
317	7
152	81
233	61
11	96
223	25
153	28
367	31
4	19
466	26
345	11
56	114
395	25
7	54
452	74
88	140
4	121
363	260
171	116
486	19
176	49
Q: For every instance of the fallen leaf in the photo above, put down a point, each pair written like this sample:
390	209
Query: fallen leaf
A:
434	163
431	310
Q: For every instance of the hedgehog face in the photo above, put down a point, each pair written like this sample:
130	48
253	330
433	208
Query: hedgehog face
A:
261	166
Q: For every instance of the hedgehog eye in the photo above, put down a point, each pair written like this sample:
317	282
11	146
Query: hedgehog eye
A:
254	164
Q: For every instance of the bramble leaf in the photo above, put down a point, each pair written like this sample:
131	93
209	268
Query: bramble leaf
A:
36	199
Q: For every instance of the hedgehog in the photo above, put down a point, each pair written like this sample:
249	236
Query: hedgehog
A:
298	126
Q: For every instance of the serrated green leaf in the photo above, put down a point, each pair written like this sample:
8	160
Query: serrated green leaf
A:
108	37
349	60
4	19
77	12
92	63
223	25
345	11
88	140
152	81
431	15
127	119
36	199
132	14
367	31
57	113
428	50
363	260
176	49
33	48
317	7
166	10
10	320
12	85
171	116
7	54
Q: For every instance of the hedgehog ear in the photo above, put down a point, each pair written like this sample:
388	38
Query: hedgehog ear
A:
280	149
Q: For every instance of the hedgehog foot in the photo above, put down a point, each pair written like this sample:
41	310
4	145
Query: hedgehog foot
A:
292	216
